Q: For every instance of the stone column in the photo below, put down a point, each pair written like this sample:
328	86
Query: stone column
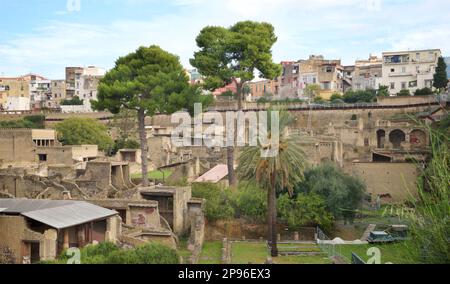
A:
66	239
48	246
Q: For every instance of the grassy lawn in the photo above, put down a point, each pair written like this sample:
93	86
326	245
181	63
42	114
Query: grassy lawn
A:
257	253
298	247
154	175
394	253
300	259
245	253
211	253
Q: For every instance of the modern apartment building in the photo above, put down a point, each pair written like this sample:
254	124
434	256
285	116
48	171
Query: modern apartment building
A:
58	93
328	74
83	81
447	61
40	93
288	85
368	73
261	87
24	86
409	70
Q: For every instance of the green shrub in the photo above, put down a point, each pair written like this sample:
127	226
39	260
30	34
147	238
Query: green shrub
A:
104	249
218	201
84	131
33	122
73	102
122	257
109	253
423	92
156	254
342	193
124	143
304	210
404	93
251	202
360	96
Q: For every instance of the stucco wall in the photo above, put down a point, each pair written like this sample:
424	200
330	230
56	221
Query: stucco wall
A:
16	146
12	228
396	179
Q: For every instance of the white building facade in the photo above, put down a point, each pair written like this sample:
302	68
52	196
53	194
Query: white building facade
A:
410	70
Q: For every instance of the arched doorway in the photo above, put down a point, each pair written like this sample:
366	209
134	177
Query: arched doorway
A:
381	138
397	137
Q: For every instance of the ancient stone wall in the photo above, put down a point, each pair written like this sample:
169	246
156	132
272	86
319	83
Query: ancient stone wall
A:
396	179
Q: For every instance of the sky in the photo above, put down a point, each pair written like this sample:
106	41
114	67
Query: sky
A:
45	36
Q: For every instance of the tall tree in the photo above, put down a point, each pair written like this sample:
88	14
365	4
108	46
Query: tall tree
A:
148	81
231	55
440	77
283	171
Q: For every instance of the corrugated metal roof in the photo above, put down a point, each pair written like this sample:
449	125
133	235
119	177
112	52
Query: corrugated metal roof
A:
55	213
27	205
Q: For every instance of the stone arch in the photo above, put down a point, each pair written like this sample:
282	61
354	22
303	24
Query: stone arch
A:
418	138
397	137
381	138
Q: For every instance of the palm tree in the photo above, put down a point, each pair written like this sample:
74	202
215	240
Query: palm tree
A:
283	171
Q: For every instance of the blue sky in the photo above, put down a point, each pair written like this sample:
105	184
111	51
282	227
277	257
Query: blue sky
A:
44	36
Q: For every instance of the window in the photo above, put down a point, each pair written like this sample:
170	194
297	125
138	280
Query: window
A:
392	86
413	84
42	157
392	70
403	85
418	56
403	69
326	86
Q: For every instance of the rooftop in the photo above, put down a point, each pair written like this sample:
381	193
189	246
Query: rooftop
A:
58	214
215	174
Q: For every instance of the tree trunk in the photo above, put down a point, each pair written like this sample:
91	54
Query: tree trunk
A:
273	216
232	180
269	218
239	95
144	147
230	164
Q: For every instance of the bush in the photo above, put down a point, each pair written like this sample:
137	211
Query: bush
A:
156	254
342	193
218	201
360	96
335	96
383	91
423	92
124	143
251	202
33	122
404	93
79	131
109	253
304	210
75	101
104	249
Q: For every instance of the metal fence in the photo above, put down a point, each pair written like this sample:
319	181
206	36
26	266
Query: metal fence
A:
332	250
